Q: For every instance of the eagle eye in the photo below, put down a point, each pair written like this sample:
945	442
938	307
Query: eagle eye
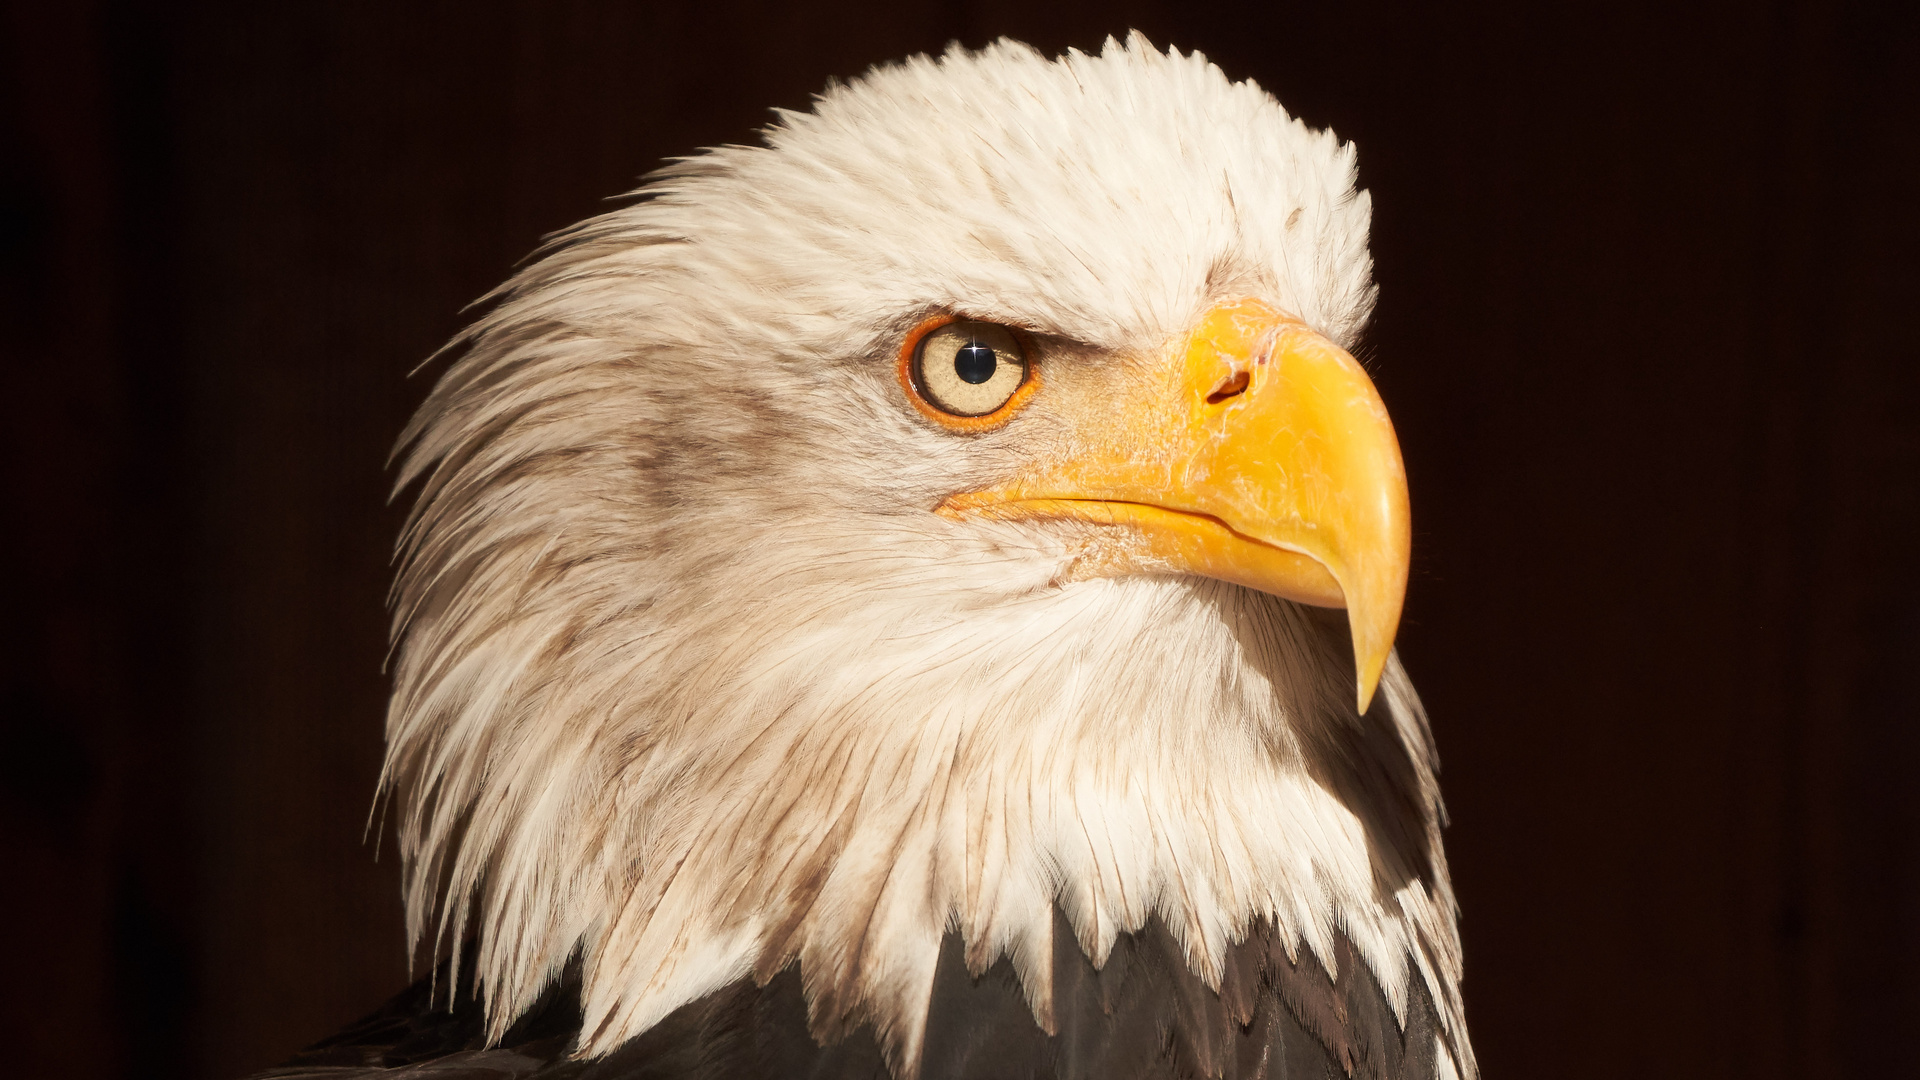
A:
966	370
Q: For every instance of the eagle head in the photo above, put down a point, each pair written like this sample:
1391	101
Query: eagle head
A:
959	517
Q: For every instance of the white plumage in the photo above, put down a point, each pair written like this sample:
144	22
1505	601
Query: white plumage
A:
692	682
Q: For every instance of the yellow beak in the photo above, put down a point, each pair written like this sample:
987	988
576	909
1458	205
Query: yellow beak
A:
1264	457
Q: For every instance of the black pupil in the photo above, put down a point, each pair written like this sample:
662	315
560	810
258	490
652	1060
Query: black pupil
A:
974	363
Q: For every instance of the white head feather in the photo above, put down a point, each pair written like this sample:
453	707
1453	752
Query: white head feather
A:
692	684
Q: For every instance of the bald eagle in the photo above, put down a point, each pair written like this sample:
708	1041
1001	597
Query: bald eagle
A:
915	599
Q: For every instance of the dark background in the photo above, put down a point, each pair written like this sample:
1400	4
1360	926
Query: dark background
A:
1646	326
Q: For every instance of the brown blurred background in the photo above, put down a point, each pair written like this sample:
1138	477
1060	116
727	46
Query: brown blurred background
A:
1647	325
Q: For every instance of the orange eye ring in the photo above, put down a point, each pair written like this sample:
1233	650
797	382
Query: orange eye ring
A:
910	348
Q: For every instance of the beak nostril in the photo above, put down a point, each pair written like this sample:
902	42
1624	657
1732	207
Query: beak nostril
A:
1232	388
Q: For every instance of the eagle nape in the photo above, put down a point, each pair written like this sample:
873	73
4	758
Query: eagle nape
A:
872	608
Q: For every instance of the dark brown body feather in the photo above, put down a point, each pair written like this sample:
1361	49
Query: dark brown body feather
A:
1144	1016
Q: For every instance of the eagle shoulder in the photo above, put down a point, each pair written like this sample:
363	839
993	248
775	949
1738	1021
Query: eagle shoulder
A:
1143	1015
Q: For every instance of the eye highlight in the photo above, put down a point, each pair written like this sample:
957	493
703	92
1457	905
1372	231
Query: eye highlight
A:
969	372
